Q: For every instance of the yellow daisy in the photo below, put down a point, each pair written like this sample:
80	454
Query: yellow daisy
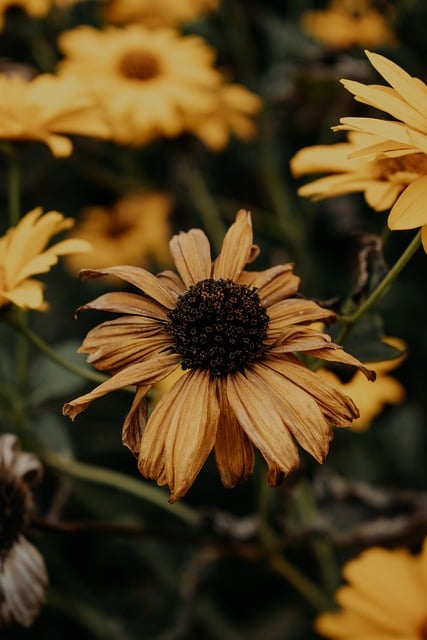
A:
23	254
348	23
156	13
404	139
381	179
148	82
234	111
371	400
235	333
45	109
399	147
385	598
133	231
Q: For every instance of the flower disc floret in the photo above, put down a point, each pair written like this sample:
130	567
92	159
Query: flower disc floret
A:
219	325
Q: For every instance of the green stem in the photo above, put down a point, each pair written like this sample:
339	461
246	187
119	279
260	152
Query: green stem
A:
350	320
116	480
16	322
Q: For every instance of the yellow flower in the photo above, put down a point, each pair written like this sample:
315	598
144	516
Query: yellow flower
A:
233	114
381	179
133	231
385	598
405	99
155	13
348	23
235	333
45	108
148	82
398	147
23	254
370	400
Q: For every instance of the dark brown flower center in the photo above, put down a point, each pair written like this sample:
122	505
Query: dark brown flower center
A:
219	325
139	64
15	508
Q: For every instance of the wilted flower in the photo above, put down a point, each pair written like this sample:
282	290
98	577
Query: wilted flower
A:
133	231
148	82
385	597
348	23
371	400
23	254
45	108
153	13
23	577
235	333
395	151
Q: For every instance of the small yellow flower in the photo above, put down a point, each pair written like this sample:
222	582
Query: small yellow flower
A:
23	254
385	598
233	113
371	399
348	23
394	151
236	335
45	109
133	231
156	13
149	83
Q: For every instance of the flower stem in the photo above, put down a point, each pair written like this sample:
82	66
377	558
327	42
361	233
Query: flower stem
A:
120	481
16	322
350	320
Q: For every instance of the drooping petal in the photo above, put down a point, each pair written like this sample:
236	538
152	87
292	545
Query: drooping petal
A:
153	368
127	303
410	211
234	452
236	248
259	417
180	433
136	419
192	255
140	278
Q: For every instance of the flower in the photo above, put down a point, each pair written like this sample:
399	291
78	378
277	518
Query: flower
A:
148	82
45	108
347	23
371	400
23	254
385	597
233	112
132	231
235	333
381	179
156	14
23	576
399	147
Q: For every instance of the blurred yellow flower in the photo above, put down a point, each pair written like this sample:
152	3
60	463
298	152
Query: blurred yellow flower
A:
397	149
23	254
371	399
381	179
149	82
34	8
386	598
156	13
133	231
232	114
348	23
45	109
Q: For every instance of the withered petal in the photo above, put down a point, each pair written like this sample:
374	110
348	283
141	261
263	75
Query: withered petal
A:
236	248
192	255
126	303
136	419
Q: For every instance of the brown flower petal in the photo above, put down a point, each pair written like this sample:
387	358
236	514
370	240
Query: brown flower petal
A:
127	303
236	248
135	421
192	255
